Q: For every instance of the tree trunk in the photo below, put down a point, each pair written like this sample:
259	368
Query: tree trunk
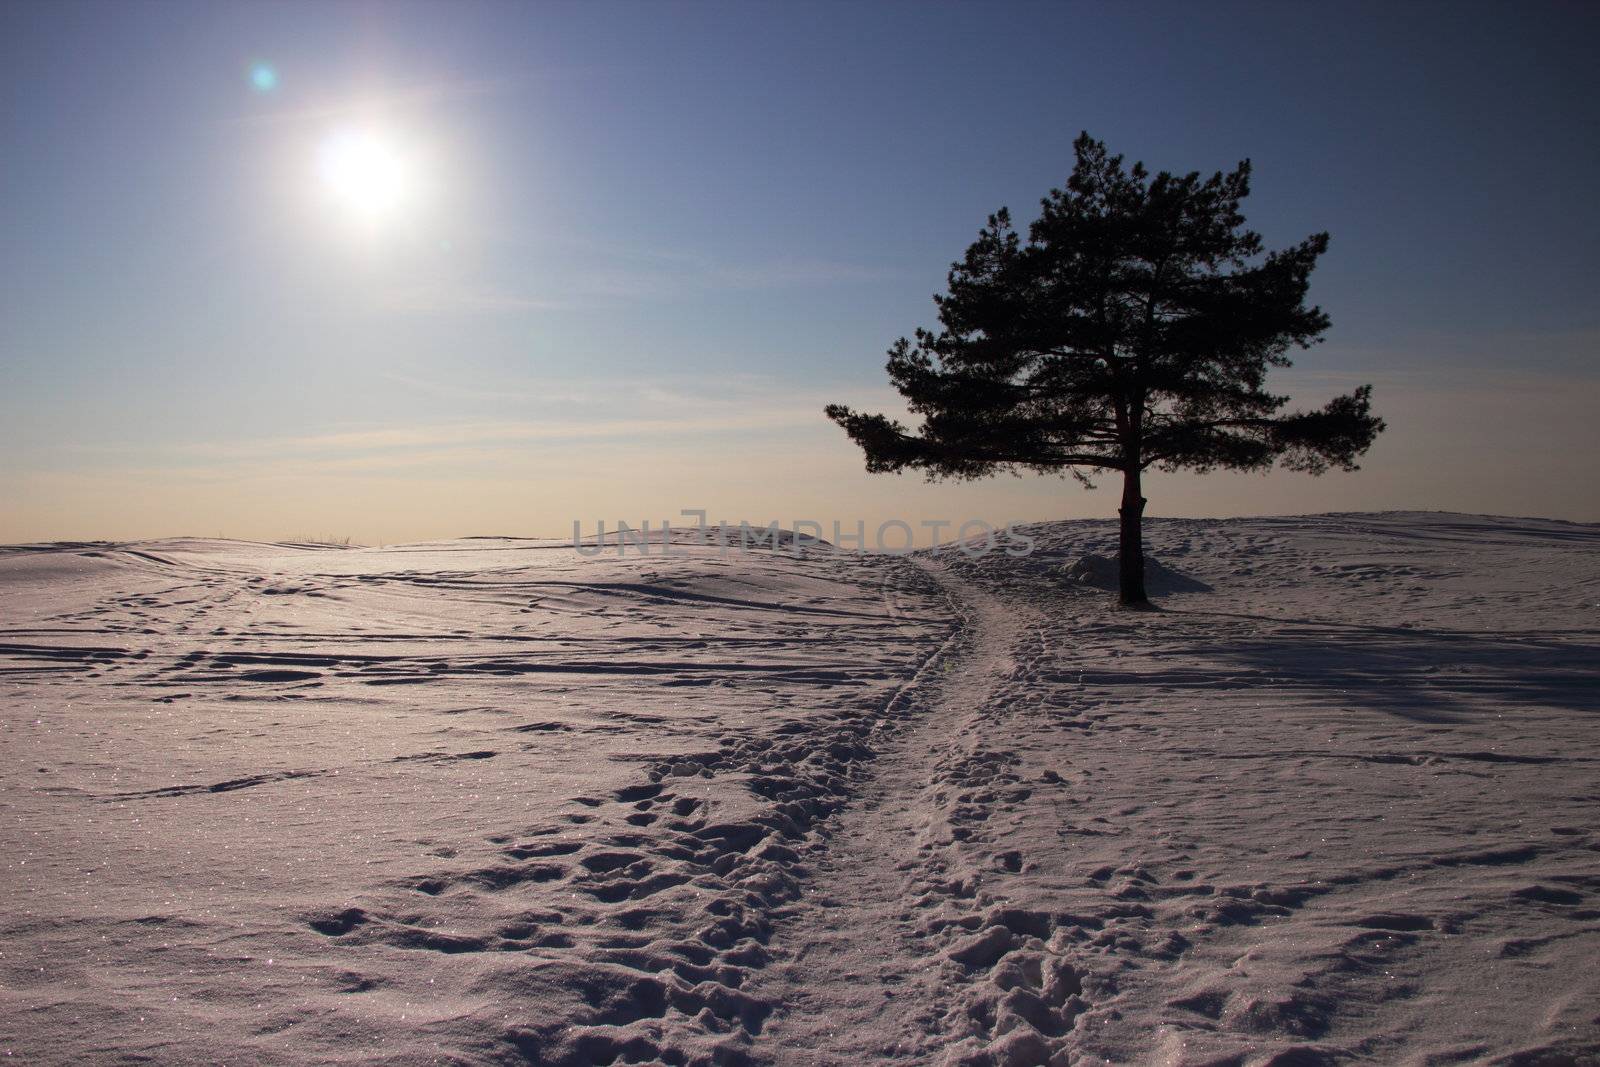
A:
1130	555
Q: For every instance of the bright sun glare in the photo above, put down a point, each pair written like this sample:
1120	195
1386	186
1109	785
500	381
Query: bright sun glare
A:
367	173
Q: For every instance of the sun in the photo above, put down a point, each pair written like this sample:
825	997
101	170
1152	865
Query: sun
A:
367	173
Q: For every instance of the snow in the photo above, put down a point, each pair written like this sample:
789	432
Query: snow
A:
496	801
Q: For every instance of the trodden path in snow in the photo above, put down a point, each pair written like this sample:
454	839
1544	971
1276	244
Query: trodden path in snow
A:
862	972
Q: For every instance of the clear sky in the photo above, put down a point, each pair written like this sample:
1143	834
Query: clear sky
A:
612	259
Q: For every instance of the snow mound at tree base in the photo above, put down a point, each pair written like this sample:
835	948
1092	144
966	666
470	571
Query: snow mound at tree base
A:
1101	572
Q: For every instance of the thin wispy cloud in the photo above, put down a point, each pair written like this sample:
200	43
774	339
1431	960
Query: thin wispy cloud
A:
529	431
461	299
553	415
576	397
584	275
383	100
598	287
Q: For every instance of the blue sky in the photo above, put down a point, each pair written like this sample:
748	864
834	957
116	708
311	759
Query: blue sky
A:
650	240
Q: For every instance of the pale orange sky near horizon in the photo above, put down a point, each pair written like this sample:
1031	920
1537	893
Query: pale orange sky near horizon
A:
1485	443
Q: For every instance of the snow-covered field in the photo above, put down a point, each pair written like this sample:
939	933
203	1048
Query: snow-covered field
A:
491	801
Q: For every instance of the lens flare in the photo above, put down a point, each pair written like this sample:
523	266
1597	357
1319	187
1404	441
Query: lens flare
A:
263	77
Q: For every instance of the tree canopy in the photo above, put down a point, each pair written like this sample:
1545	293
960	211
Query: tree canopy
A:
1134	328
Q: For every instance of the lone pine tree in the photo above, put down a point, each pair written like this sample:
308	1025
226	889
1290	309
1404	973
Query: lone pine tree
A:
1133	329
